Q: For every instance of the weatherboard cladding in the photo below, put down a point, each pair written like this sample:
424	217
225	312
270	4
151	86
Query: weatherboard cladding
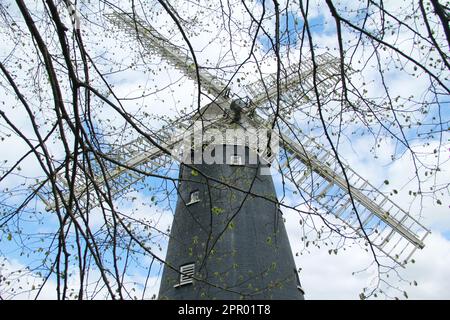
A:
250	258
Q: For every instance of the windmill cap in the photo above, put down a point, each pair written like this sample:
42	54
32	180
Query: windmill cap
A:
238	105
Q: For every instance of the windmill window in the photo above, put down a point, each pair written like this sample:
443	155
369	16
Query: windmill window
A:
236	160
186	274
194	197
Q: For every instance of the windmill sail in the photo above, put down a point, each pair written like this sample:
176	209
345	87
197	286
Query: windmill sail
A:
296	77
142	156
306	163
316	171
153	40
123	167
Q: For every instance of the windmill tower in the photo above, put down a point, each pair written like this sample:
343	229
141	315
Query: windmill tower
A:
228	239
228	232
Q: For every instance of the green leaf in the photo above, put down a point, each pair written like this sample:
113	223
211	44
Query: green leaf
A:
217	210
9	237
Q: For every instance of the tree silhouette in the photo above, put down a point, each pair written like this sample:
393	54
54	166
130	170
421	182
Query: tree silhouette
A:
76	88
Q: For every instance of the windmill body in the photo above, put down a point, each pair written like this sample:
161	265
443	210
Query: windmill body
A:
236	243
228	239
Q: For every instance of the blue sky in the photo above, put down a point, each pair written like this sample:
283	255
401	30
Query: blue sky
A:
291	25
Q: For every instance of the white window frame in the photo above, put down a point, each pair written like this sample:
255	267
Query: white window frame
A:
236	160
186	275
194	197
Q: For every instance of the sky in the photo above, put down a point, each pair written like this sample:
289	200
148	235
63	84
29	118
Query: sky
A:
323	275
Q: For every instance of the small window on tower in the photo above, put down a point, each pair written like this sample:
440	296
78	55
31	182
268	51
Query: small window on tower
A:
194	198
186	274
236	160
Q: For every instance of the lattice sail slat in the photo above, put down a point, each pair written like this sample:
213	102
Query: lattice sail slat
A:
315	171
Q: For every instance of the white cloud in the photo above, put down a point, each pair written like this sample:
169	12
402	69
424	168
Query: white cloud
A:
431	270
326	276
18	282
330	276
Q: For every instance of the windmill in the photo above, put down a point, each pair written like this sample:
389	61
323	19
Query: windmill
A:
228	239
